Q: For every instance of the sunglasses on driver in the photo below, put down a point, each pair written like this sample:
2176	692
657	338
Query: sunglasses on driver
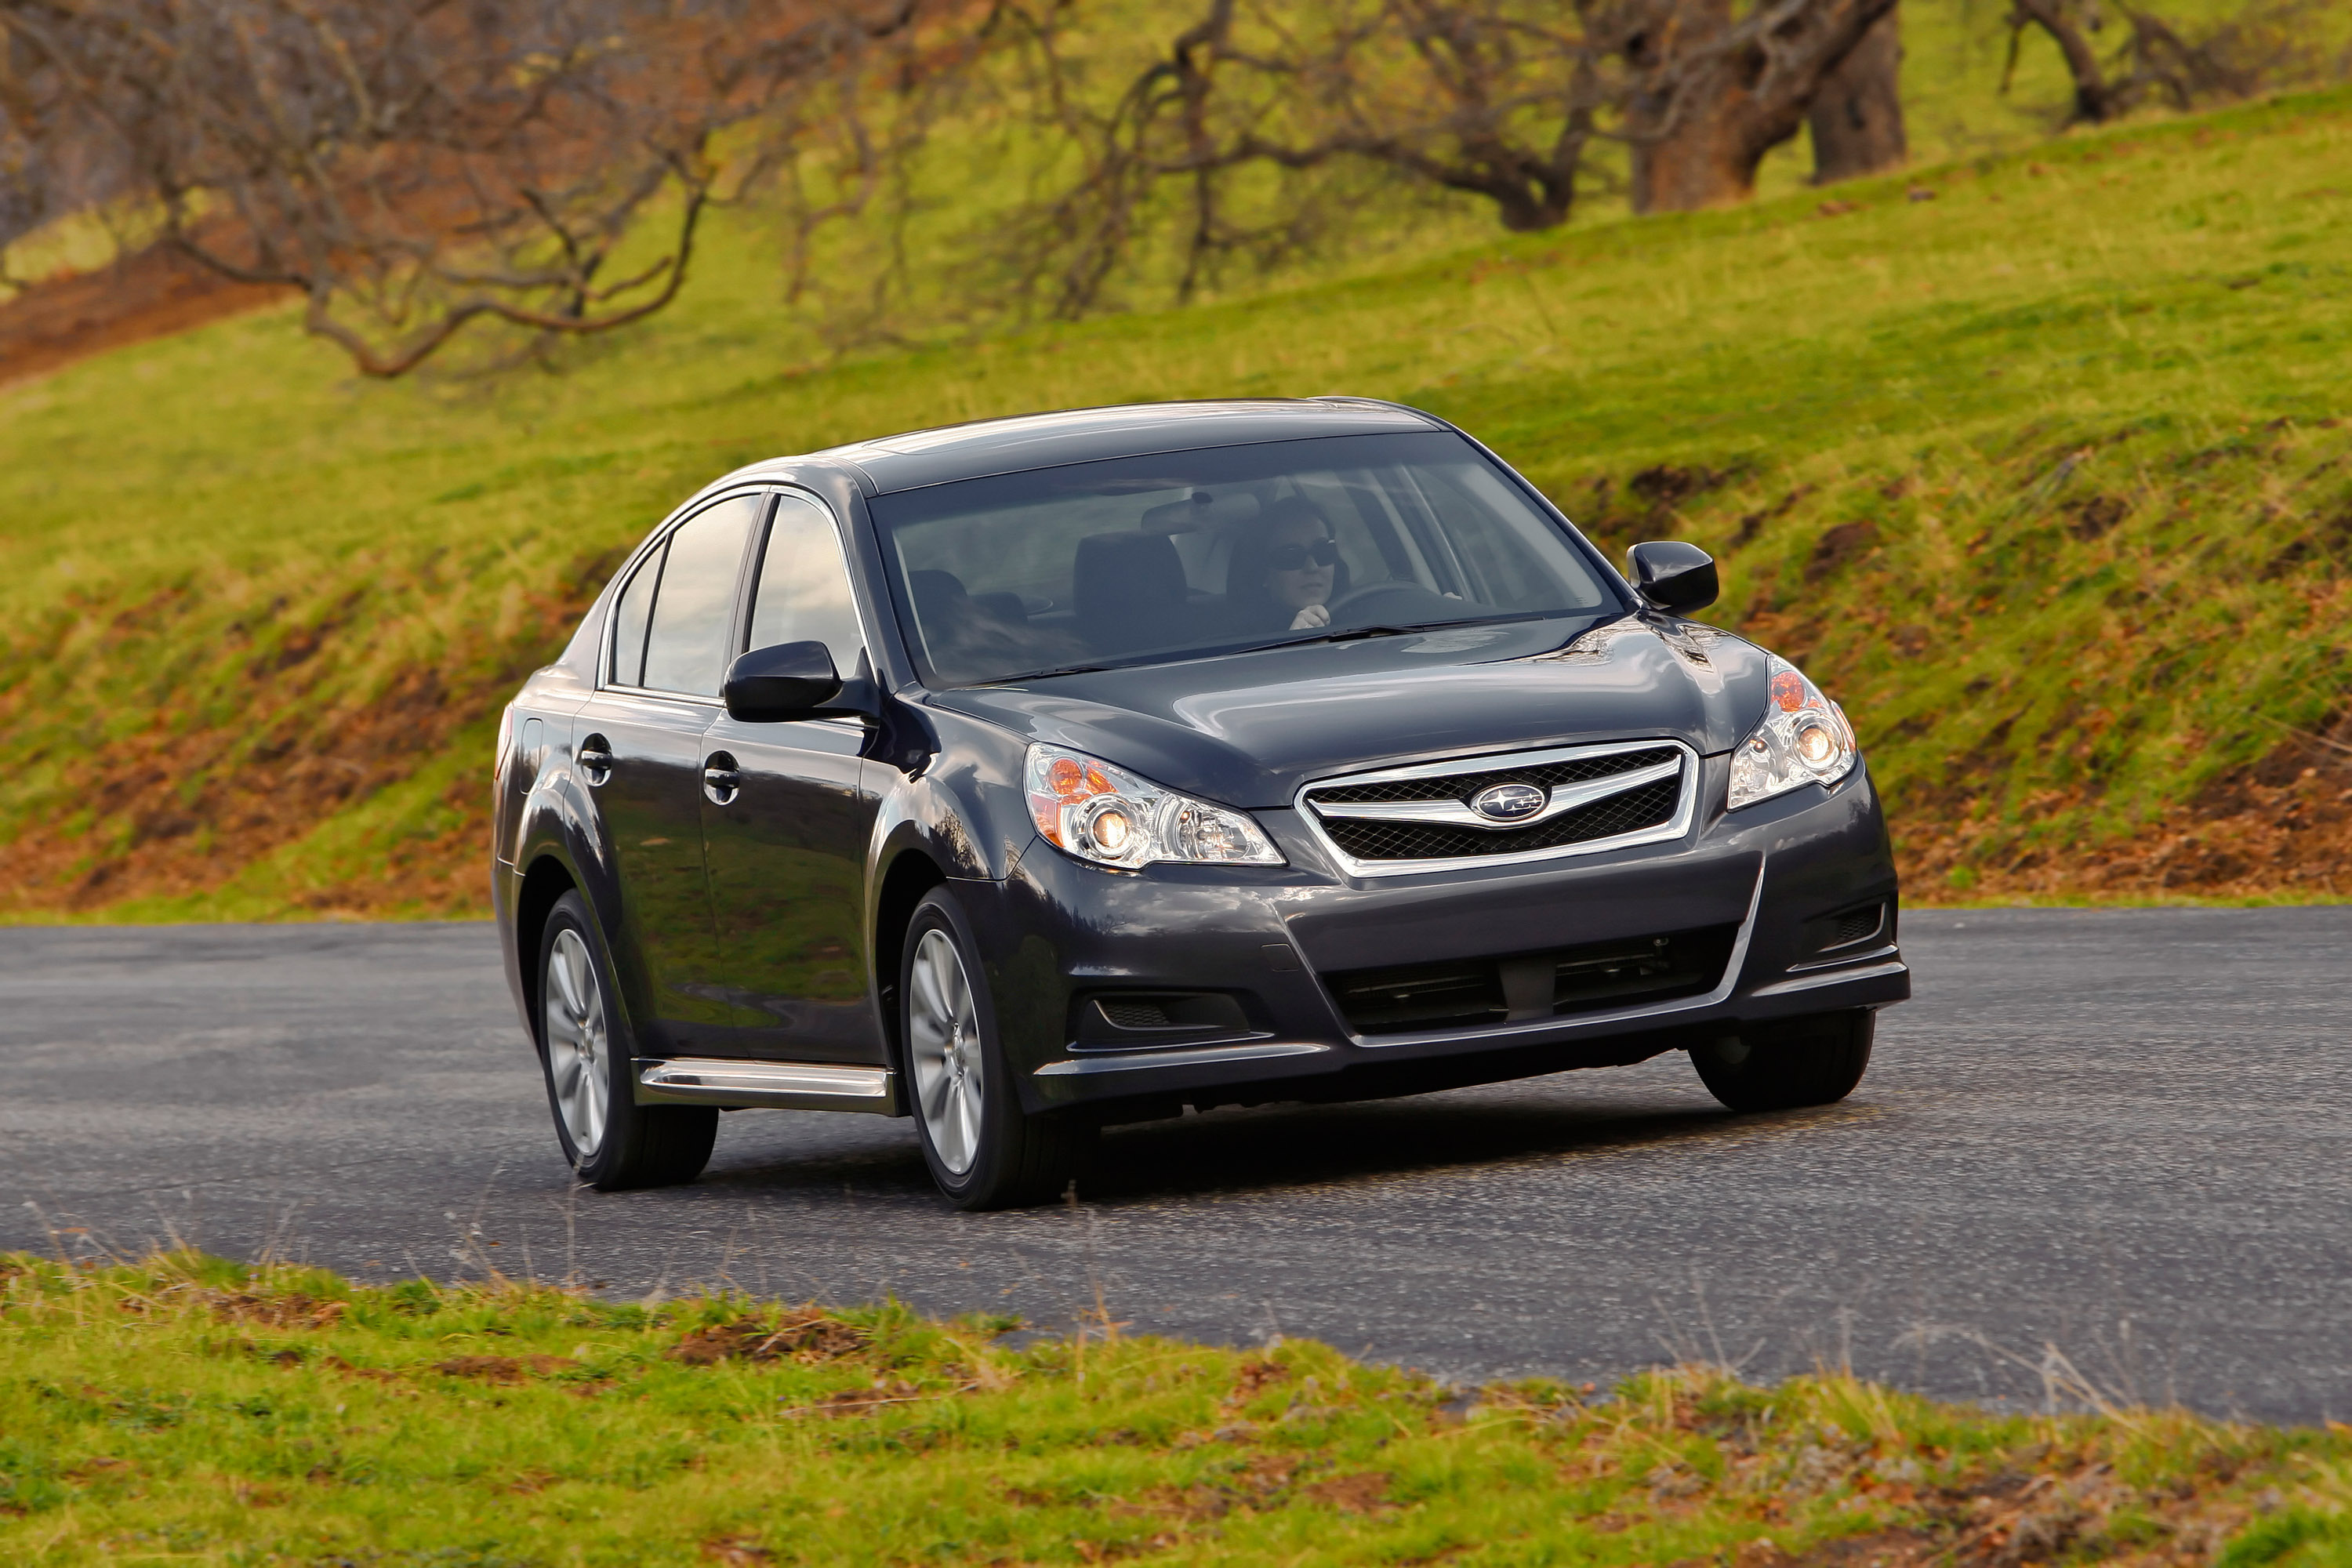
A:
1298	557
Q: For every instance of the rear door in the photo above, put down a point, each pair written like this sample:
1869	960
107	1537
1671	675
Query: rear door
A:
666	649
787	838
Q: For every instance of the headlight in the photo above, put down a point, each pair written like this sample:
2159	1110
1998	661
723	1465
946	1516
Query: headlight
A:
1804	739
1108	815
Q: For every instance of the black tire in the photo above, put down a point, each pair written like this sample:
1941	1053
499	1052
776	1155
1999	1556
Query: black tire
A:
1813	1060
984	1152
626	1144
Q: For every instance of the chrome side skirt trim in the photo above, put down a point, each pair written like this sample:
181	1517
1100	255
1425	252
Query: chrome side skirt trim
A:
792	1086
1199	1056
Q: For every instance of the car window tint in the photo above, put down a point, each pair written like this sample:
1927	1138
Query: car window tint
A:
686	648
629	621
1180	554
803	591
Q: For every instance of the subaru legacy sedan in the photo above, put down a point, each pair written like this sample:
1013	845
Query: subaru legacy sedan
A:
1034	775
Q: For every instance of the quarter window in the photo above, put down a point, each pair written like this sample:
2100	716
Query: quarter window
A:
685	645
629	620
803	594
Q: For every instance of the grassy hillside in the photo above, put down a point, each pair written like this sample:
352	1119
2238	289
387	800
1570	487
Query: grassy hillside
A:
2039	462
196	1411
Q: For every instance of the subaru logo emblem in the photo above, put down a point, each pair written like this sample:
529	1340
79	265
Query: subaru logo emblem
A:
1509	802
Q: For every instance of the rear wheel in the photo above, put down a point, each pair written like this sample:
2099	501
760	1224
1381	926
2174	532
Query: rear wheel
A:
611	1140
1813	1060
984	1152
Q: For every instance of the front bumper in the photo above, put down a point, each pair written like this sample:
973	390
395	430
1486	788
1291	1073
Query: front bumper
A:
1057	933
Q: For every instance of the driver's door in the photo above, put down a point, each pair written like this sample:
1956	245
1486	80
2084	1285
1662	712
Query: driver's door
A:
786	829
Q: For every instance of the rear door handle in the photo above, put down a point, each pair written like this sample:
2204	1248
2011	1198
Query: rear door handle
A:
595	760
721	782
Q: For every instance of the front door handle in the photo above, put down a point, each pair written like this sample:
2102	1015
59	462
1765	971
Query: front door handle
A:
721	782
595	758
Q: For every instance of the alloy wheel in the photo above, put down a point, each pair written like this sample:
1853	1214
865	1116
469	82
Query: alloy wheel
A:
943	1032
577	1044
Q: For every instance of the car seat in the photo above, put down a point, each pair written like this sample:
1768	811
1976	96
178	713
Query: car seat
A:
1130	592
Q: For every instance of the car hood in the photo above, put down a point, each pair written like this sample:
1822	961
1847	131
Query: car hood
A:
1249	728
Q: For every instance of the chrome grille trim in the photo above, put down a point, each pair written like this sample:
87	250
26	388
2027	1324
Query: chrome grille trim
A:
1454	815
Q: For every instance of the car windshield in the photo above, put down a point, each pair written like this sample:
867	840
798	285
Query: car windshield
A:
1146	560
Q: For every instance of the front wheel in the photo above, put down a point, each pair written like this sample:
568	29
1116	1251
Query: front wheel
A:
983	1150
1779	1065
583	1045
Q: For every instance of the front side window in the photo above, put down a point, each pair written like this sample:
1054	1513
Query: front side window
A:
1146	560
693	608
804	592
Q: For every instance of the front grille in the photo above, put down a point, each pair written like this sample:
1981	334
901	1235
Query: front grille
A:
1385	834
1462	786
1469	992
1649	805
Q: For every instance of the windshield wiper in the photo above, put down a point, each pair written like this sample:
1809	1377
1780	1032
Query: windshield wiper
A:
1355	634
1041	674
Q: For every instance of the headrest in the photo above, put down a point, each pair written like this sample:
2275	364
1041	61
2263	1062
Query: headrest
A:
1130	592
936	592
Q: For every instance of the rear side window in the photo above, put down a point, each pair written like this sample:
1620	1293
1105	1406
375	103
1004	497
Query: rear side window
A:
804	592
686	641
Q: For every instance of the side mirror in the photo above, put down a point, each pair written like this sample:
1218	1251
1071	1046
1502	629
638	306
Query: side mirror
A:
1674	576
790	680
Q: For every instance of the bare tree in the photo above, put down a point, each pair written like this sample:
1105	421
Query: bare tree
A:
1487	97
2269	44
413	167
1711	94
1503	99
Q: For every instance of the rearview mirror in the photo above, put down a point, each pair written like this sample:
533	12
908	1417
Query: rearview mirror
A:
1674	576
788	680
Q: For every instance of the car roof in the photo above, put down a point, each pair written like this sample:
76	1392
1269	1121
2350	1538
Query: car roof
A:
985	447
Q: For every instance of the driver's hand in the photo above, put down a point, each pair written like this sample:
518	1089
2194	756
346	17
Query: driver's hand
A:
1313	616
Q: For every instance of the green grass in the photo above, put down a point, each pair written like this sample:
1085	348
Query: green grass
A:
192	1410
2044	479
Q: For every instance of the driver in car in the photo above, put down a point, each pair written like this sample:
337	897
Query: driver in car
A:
1285	574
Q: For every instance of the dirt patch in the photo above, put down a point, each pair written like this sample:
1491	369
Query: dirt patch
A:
806	1337
1838	547
151	294
504	1369
1252	1378
292	1312
186	810
2282	826
866	1401
1364	1493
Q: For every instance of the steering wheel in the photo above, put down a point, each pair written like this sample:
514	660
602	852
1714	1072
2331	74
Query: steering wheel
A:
1355	598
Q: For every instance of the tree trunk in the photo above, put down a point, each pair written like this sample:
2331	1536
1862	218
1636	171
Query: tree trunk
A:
1857	115
2094	99
1711	97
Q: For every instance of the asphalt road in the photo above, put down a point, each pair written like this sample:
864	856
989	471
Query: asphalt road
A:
2104	1146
